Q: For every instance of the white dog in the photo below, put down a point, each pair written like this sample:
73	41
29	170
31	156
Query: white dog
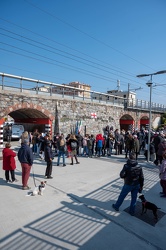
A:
40	189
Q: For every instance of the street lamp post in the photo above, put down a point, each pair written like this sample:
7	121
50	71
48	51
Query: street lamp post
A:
149	84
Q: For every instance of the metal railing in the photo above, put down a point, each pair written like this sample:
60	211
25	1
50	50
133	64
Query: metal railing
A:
33	86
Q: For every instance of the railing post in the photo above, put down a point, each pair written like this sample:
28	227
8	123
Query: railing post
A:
63	92
21	89
51	90
91	96
37	88
2	82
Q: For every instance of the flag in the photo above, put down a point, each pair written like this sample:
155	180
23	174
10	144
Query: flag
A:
93	115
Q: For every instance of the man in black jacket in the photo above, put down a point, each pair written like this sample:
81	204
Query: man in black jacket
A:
25	157
48	158
133	182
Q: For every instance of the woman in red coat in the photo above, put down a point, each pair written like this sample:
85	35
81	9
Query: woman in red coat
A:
9	164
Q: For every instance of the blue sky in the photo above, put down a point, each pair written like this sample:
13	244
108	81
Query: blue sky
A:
95	42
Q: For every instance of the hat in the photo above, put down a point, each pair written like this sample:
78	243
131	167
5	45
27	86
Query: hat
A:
135	136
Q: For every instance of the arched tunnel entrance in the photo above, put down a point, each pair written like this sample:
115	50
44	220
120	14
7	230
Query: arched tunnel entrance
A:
32	119
126	122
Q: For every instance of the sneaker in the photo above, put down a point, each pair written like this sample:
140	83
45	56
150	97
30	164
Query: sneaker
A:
71	163
77	163
26	188
113	205
15	180
49	177
57	164
8	181
64	165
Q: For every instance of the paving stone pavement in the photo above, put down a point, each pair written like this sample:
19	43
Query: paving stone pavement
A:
76	211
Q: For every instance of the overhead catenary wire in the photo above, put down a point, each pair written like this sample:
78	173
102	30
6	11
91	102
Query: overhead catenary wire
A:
117	69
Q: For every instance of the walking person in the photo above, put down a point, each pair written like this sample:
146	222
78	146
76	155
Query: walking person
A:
133	182
25	157
9	164
61	145
48	154
73	143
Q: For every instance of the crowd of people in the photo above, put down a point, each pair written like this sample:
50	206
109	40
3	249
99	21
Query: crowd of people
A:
72	146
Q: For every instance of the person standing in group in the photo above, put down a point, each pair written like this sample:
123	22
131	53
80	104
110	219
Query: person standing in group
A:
9	164
129	144
117	142
90	145
85	147
136	146
48	154
162	175
80	145
133	182
9	133
99	144
61	145
25	157
73	145
161	150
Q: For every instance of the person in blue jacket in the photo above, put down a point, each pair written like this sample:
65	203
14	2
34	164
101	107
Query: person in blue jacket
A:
25	157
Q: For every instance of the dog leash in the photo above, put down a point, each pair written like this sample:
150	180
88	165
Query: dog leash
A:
33	176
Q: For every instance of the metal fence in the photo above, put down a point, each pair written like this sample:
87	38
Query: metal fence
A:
33	86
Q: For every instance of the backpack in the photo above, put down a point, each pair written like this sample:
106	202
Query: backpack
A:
73	145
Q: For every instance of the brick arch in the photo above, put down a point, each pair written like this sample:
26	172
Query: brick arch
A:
25	105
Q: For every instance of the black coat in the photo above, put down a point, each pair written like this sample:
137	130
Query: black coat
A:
48	153
132	173
25	154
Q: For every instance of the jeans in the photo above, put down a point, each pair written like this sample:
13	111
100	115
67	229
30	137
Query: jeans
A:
61	153
90	152
99	151
34	148
125	190
85	150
